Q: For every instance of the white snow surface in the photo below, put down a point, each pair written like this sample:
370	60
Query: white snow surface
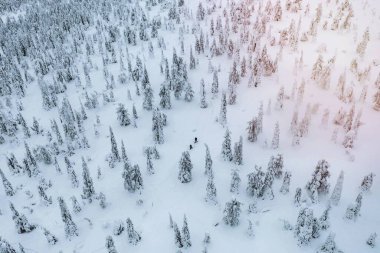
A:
164	194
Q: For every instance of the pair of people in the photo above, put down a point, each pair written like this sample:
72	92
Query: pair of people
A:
195	141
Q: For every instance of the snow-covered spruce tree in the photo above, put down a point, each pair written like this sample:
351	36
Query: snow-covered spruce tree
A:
372	240
148	97
185	167
319	185
157	126
366	183
253	130
165	102
133	180
7	185
25	127
202	92
6	247
114	151
30	158
118	227
149	164
75	204
232	213
277	13
45	200
13	164
51	239
324	220
250	231
353	210
133	236
238	152
255	182
124	156
134	111
376	100
266	189
317	68
21	222
215	84
208	161
226	147
286	182
123	115
276	136
201	13
329	246
337	192
70	227
110	245
297	197
307	227
185	233
189	93
222	119
231	94
211	191
280	99
36	127
235	182
276	165
177	236
88	185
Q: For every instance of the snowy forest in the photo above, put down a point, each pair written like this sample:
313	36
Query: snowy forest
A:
189	126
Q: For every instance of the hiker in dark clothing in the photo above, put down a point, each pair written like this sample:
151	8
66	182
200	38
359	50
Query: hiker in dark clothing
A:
195	140
191	147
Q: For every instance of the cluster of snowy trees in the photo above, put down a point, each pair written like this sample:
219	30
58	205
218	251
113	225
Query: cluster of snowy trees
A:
90	51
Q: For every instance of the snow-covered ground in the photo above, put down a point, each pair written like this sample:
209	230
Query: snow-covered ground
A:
163	193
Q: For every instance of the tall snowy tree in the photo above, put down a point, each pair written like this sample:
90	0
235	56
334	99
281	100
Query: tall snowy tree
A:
208	162
114	151
110	245
185	233
177	236
133	180
253	130
133	236
70	227
149	164
211	191
157	126
21	222
286	182
203	94
123	115
185	167
319	185
215	84
238	152
165	97
223	110
148	97
9	191
276	136
307	227
232	213
226	147
337	192
88	185
353	210
372	240
329	246
235	182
